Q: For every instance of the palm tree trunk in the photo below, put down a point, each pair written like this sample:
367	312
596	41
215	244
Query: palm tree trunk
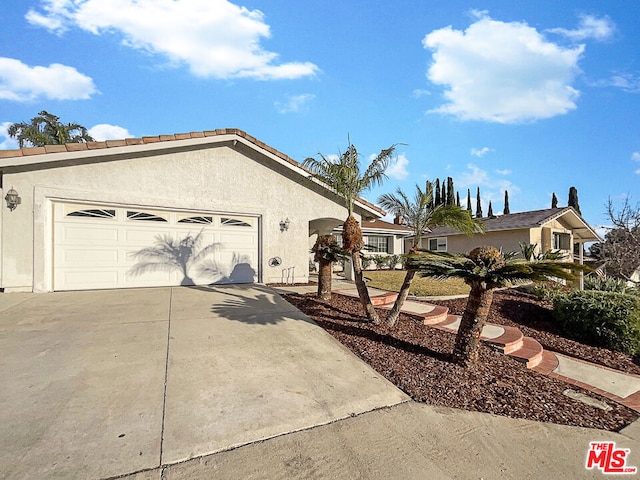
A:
473	320
392	318
324	279
363	293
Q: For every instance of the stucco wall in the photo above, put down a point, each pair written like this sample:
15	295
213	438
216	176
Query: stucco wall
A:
216	179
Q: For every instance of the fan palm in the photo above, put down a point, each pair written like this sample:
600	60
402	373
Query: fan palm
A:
46	129
420	214
170	254
344	177
326	252
484	269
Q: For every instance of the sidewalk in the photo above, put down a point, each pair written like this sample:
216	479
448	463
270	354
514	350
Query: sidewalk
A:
621	387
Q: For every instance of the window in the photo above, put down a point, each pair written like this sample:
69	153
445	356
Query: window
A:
205	220
377	243
234	222
438	244
149	217
562	241
338	237
93	213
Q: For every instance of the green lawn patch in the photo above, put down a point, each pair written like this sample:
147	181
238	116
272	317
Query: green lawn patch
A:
391	280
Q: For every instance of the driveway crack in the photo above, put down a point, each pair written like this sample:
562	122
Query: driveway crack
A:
166	376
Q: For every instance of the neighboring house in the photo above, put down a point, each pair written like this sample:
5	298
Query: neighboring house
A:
550	229
86	209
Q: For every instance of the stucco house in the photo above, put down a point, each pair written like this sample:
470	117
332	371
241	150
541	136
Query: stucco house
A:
550	229
380	237
124	213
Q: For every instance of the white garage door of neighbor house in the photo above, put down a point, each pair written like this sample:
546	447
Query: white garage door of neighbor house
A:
122	247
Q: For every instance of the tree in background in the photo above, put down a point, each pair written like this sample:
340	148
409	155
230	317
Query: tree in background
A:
46	129
344	177
450	192
484	269
420	214
573	199
458	199
478	205
438	196
490	212
621	247
506	210
469	201
554	200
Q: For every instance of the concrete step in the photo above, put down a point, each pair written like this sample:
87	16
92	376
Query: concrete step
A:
438	315
510	341
531	353
384	299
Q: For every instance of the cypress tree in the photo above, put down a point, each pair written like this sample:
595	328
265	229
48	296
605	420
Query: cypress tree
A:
554	201
458	199
490	212
469	201
450	192
506	203
443	194
478	205
573	199
438	197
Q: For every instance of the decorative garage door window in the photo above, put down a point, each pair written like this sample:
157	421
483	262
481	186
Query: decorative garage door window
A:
234	222
199	220
146	216
93	213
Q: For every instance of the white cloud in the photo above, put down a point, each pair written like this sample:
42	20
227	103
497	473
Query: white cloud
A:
295	103
502	72
397	169
505	171
215	38
22	83
590	27
635	156
480	152
491	188
421	92
6	142
104	131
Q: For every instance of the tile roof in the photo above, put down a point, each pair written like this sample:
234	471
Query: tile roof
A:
79	147
378	224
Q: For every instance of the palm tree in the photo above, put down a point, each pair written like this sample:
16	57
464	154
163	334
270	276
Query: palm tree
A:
46	129
343	175
420	214
484	269
175	254
326	252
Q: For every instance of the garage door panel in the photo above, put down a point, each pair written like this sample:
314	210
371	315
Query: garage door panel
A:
101	252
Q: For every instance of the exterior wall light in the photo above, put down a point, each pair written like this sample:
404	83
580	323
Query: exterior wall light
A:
284	224
13	200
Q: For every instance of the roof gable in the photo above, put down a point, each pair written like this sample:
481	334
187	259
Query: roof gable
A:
101	151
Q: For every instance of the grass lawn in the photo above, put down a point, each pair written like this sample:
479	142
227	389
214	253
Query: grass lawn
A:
423	287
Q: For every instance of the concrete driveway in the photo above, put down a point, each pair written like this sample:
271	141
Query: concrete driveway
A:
106	383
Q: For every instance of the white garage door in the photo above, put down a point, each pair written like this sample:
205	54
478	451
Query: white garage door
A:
121	247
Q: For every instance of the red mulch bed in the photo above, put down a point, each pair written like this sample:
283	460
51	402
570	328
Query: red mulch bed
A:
417	359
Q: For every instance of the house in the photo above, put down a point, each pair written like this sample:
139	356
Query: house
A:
550	229
136	213
380	237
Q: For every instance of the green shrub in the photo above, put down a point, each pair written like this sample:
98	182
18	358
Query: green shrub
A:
549	290
393	260
602	319
606	284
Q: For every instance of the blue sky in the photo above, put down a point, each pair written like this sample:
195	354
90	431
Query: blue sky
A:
528	96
